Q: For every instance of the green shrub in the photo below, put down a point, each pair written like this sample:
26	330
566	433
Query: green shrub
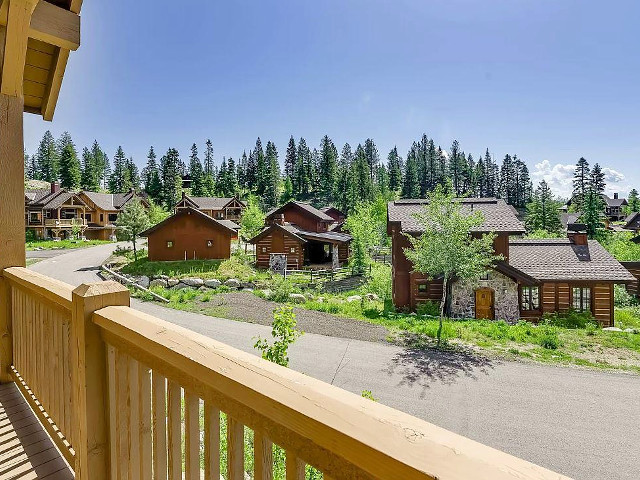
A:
235	267
549	339
30	236
569	319
429	308
591	328
281	289
622	298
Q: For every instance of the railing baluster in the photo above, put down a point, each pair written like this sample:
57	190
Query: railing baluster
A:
159	408
263	457
144	378
211	441
235	449
295	467
113	409
175	432
134	419
192	436
66	380
122	415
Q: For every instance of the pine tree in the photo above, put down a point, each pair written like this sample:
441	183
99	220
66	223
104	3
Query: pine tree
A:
382	179
101	165
47	160
302	185
70	172
492	178
171	180
290	159
480	178
242	172
524	187
132	175
222	180
597	179
209	186
372	156
361	185
455	168
346	156
261	168
90	178
196	173
592	209
117	179
272	176
580	183
209	164
508	180
542	211
411	186
634	201
251	173
394	168
328	170
425	174
232	178
287	192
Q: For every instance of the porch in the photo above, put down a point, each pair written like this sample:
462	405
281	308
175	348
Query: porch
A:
125	395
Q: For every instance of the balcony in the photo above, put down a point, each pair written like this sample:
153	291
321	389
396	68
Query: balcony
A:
64	222
123	394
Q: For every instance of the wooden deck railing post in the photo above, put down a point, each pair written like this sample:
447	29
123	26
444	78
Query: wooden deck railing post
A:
90	437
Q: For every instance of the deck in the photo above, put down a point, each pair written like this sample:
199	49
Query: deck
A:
26	451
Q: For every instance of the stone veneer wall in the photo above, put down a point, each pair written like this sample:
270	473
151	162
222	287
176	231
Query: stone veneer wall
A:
505	297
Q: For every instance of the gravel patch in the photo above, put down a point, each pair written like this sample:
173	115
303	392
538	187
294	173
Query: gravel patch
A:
247	307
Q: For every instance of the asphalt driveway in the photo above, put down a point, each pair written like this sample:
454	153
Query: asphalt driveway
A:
582	423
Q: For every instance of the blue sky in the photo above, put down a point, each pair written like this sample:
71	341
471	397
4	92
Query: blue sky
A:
548	80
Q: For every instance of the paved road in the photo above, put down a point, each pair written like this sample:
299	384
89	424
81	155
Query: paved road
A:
581	423
46	253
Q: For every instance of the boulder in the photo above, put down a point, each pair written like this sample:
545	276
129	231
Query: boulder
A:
309	296
158	282
212	283
143	281
193	282
203	289
233	283
320	299
247	289
611	329
267	293
372	297
630	330
181	286
247	285
172	282
297	298
354	298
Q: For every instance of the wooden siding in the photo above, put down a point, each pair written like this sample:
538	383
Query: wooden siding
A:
400	271
296	215
634	268
269	244
557	297
189	235
37	69
432	292
602	303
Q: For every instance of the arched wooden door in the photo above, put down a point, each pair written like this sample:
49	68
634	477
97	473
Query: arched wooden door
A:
485	303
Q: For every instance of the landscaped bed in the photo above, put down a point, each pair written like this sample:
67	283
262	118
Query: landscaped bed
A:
327	313
63	244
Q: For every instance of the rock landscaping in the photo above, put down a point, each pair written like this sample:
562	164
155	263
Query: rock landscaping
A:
192	282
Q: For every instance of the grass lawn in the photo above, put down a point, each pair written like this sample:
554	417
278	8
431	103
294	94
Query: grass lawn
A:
63	244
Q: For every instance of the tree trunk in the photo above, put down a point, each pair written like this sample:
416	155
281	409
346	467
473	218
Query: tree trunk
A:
135	252
445	305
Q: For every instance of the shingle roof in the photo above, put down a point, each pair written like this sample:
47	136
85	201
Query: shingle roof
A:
614	202
558	259
319	214
190	211
498	216
304	234
110	201
211	203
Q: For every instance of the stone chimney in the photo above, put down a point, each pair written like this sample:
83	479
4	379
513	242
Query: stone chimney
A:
615	196
577	233
55	187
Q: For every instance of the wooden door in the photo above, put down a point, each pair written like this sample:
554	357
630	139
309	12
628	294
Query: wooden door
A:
484	303
277	245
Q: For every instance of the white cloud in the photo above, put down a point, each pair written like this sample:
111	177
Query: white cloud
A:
560	178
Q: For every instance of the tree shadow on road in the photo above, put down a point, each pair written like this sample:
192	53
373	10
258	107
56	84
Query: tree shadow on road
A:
421	363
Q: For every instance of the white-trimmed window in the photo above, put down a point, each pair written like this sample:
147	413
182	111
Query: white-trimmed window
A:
209	243
169	243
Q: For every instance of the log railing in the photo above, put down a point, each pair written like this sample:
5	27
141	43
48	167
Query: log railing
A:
151	400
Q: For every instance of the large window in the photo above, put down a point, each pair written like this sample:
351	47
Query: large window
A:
530	298
581	299
113	217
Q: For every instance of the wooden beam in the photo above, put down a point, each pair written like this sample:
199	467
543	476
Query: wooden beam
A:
15	45
54	83
56	26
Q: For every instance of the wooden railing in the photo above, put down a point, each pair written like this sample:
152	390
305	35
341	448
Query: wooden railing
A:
64	222
150	399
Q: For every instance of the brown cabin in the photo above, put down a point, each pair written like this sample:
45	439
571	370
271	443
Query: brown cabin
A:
190	235
304	234
537	276
220	208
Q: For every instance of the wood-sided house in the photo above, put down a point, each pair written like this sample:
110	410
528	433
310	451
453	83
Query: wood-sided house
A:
220	208
54	212
190	234
537	276
304	234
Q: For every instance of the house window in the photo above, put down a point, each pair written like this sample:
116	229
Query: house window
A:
485	276
102	217
169	244
292	249
529	298
209	243
581	299
264	249
423	288
113	217
87	217
34	216
220	215
48	214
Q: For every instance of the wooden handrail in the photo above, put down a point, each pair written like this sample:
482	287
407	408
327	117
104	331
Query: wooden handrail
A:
342	434
53	290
